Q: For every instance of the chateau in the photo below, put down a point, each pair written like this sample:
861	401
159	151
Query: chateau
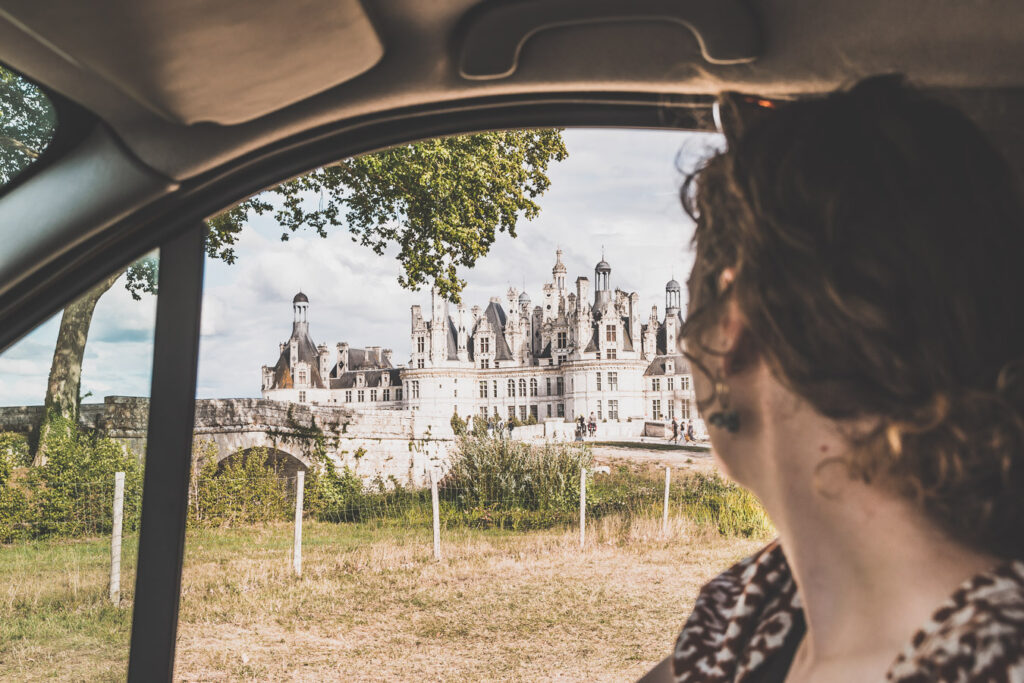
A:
567	356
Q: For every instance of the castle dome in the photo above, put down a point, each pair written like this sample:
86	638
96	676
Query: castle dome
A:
524	298
300	298
603	267
673	286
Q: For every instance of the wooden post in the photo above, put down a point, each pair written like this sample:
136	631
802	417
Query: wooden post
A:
115	539
664	519
583	506
300	482
436	514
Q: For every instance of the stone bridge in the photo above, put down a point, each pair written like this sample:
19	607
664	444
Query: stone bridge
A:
384	443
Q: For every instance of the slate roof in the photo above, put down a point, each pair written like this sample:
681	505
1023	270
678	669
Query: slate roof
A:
657	366
306	353
495	315
347	380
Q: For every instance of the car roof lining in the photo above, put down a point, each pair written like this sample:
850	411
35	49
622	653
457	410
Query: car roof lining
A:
172	58
809	47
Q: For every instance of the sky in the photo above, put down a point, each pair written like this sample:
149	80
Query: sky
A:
618	192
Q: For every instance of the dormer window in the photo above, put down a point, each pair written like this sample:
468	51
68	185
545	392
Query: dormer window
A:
485	345
385	379
670	367
360	380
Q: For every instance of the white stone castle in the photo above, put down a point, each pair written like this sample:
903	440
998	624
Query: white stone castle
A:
568	356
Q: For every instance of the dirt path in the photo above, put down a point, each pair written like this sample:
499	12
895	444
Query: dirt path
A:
654	458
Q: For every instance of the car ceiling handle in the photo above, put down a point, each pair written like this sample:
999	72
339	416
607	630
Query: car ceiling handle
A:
726	30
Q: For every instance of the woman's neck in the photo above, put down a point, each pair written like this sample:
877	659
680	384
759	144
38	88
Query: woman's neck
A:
869	567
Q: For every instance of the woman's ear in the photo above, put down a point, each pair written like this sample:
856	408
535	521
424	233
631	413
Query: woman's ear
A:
739	351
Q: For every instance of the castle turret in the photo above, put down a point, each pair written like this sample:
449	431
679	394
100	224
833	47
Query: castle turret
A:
558	272
602	285
673	297
300	319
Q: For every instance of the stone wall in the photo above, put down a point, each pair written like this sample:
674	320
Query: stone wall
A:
373	443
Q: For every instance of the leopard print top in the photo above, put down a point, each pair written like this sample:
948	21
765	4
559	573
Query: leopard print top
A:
747	623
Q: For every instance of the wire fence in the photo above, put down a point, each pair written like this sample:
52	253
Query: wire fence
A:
105	509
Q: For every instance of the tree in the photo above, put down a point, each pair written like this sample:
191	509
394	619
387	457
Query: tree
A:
441	201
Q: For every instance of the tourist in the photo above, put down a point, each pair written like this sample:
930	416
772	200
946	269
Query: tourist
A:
675	430
856	344
511	426
592	425
689	432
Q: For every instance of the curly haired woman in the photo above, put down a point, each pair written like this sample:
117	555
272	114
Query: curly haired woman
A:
857	333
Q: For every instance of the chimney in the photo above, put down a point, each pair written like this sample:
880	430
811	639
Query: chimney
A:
343	356
387	356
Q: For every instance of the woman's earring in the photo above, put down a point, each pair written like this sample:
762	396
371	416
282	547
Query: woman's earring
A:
724	417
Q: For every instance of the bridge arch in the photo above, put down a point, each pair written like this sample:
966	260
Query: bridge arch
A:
287	463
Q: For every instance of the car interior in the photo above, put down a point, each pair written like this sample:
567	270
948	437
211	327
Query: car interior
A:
168	113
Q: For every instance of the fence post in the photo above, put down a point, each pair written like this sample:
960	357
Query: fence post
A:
435	507
583	506
300	481
115	539
664	519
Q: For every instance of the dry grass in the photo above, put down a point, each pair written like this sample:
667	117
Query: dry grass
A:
372	604
499	606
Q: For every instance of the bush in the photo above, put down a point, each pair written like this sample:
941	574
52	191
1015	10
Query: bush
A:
73	493
492	477
330	494
242	489
458	425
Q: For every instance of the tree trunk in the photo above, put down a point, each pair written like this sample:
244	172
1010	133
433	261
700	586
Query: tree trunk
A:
65	381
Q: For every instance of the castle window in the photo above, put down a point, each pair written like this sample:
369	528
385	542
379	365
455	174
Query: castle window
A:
613	410
563	340
483	389
613	382
599	381
549	410
360	396
671	408
656	409
414	388
522	389
511	412
348	396
609	333
360	380
533	411
421	344
670	383
559	386
685	409
600	415
387	395
485	345
522	413
373	394
561	410
561	359
302	397
485	363
302	377
398	394
670	367
597	355
656	384
419	363
511	388
547	381
684	383
533	387
611	354
483	411
494	388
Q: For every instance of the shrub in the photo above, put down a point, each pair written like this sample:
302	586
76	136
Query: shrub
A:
330	494
479	427
495	476
458	424
73	493
242	489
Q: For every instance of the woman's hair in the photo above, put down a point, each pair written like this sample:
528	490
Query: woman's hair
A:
877	240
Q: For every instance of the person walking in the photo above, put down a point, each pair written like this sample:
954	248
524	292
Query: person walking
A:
592	425
490	427
675	430
511	426
581	428
690	438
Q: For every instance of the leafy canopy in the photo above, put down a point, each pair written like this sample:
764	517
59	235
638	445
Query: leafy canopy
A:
441	201
27	124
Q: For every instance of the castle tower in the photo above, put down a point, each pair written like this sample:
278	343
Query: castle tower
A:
673	298
558	272
438	328
300	319
602	285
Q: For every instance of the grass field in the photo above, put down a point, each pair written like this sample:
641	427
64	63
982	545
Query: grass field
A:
372	604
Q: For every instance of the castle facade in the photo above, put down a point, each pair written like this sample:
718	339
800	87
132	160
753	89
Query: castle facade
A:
574	353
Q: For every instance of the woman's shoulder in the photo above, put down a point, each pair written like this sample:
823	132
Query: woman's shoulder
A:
740	619
976	635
